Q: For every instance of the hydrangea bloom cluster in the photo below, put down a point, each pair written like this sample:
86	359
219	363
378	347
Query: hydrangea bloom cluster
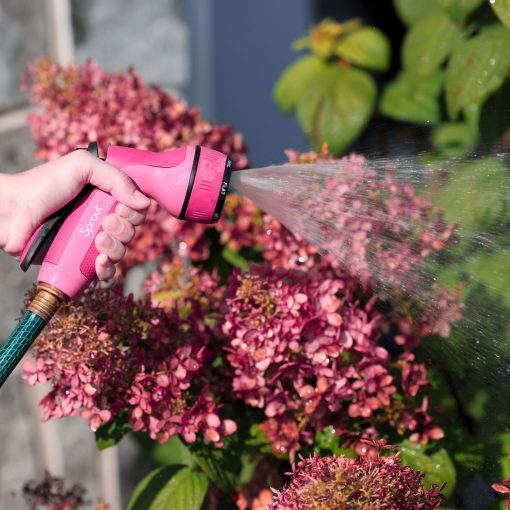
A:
110	355
84	104
305	349
361	483
51	494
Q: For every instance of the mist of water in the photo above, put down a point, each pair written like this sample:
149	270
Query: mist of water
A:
336	207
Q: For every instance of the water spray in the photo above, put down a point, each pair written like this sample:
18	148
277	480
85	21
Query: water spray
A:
191	183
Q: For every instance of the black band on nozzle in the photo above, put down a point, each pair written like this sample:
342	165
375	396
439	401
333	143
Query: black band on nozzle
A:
191	181
223	191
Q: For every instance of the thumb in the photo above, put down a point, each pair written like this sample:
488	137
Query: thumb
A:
110	179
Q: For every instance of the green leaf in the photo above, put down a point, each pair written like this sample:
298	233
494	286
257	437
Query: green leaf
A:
294	81
428	43
459	10
222	466
173	452
110	433
327	442
476	68
367	47
170	488
476	196
502	10
411	11
453	139
437	467
234	258
337	106
418	102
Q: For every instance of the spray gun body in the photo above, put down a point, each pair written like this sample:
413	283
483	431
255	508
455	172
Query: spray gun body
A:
190	183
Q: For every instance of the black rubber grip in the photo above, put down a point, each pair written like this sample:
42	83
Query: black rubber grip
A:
41	244
191	181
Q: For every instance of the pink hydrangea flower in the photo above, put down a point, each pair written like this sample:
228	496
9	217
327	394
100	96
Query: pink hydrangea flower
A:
378	483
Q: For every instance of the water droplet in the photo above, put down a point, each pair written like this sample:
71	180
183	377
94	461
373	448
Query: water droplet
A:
93	429
269	231
92	355
182	246
301	259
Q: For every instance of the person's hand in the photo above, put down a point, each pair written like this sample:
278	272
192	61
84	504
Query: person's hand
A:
28	198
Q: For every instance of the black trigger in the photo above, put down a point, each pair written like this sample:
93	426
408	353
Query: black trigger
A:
42	242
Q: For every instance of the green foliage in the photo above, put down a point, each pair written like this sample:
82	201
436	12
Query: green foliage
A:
437	465
222	466
110	433
330	90
295	80
411	11
172	453
502	9
411	100
423	55
170	488
476	195
327	442
477	67
337	106
366	47
444	33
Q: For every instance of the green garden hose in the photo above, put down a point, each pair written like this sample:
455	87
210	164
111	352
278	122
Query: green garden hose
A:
46	302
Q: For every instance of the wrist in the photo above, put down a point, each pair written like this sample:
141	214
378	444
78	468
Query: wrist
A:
8	185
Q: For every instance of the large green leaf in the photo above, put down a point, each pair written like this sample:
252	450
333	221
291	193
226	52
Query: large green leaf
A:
428	43
366	47
337	106
477	67
437	466
459	10
221	465
295	80
173	452
170	488
502	9
413	101
411	11
476	196
110	433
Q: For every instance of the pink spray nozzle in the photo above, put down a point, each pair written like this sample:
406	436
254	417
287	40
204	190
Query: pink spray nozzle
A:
191	183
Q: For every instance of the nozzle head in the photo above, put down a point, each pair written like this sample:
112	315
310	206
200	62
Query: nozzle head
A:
208	186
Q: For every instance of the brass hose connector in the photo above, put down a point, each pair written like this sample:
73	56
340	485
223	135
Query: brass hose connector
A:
47	301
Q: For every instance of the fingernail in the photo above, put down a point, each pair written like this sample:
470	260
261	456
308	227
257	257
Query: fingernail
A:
102	259
114	225
141	198
108	242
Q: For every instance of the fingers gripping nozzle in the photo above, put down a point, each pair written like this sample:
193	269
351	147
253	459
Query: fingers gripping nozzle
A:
191	183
